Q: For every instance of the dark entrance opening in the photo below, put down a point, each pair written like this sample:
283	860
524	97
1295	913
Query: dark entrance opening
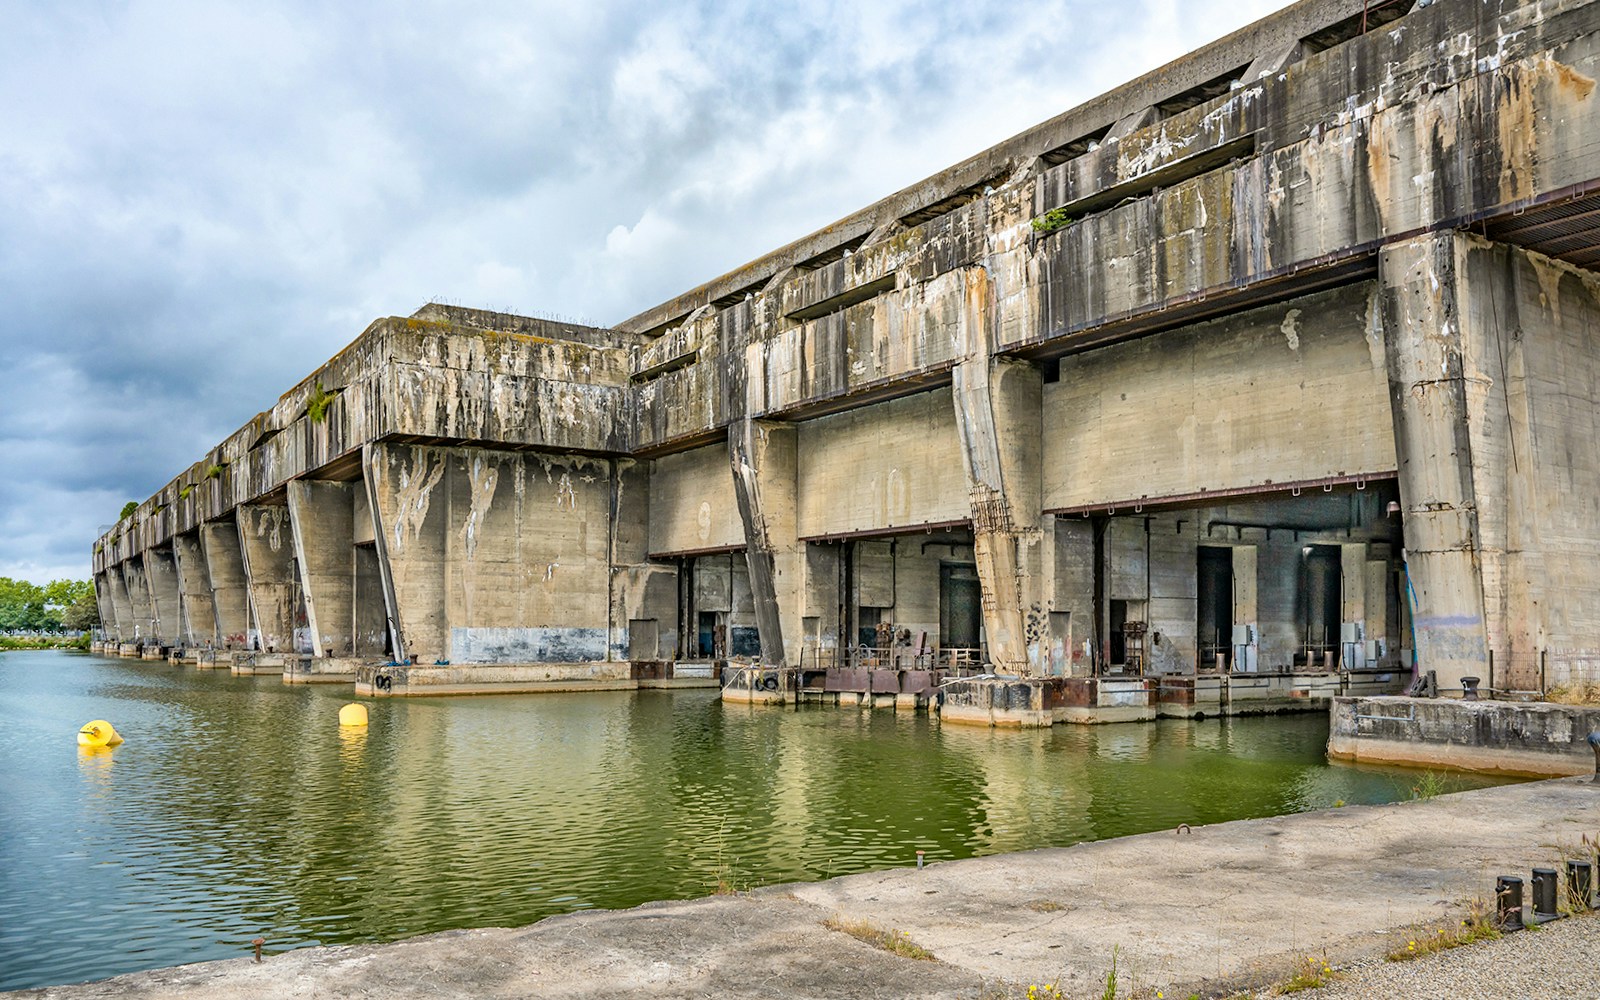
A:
1320	588
1214	607
960	605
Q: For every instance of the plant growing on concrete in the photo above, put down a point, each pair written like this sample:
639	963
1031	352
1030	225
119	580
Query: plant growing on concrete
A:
216	470
318	403
1110	992
1049	222
1312	973
1430	784
128	509
183	494
892	941
1477	925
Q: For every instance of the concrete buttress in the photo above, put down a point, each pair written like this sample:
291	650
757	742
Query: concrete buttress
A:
161	573
321	516
230	593
265	539
998	414
1424	347
194	591
765	456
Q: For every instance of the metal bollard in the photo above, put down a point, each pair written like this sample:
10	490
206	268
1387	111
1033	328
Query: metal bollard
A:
258	942
1544	895
1594	744
1580	884
1508	903
919	858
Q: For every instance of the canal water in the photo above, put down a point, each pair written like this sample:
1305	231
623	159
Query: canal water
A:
238	807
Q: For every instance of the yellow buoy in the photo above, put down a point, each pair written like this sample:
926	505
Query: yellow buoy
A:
98	734
353	715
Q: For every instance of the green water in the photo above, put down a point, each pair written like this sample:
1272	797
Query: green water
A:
238	807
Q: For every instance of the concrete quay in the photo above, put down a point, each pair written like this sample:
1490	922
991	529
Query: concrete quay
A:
1212	911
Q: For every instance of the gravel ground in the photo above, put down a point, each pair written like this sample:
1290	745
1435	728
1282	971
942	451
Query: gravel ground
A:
1559	960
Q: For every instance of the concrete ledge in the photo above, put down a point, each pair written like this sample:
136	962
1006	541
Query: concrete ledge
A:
1529	739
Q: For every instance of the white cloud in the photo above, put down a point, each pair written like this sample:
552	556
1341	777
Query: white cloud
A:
203	199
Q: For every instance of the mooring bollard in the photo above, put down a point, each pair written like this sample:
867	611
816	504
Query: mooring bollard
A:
1508	902
1544	895
919	859
258	942
1594	744
1580	883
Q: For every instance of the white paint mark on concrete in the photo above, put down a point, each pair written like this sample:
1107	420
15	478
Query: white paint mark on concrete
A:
1291	329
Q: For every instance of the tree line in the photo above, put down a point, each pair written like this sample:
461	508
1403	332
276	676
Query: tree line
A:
59	604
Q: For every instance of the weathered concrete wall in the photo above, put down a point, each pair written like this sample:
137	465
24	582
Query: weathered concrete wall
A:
881	467
1496	736
692	506
1289	393
495	557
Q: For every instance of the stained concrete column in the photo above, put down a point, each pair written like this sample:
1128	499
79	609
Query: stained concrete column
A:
322	516
1423	340
161	573
410	542
122	608
230	594
194	591
998	413
265	539
765	458
133	578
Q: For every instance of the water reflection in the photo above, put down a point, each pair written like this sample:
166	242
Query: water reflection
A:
240	807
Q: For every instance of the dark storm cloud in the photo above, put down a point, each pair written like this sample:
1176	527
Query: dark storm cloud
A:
199	202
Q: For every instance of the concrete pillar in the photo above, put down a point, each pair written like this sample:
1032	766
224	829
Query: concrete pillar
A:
369	629
1423	339
410	544
106	601
765	458
161	573
133	579
322	516
194	591
998	412
266	541
644	595
230	592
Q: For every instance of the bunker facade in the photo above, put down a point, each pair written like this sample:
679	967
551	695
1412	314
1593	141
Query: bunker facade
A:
1273	370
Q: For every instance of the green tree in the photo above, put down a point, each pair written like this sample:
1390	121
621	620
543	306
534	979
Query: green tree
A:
83	613
22	605
128	508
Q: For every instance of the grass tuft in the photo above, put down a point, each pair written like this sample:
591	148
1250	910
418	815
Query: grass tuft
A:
892	941
1478	925
1311	974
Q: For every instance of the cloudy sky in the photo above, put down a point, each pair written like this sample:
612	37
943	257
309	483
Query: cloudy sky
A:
202	201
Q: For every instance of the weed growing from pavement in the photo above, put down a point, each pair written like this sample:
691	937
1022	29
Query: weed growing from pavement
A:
1477	925
892	941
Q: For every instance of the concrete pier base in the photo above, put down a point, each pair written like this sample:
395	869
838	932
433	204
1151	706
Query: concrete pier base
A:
213	659
755	685
1032	702
527	678
322	669
1534	740
258	664
153	653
